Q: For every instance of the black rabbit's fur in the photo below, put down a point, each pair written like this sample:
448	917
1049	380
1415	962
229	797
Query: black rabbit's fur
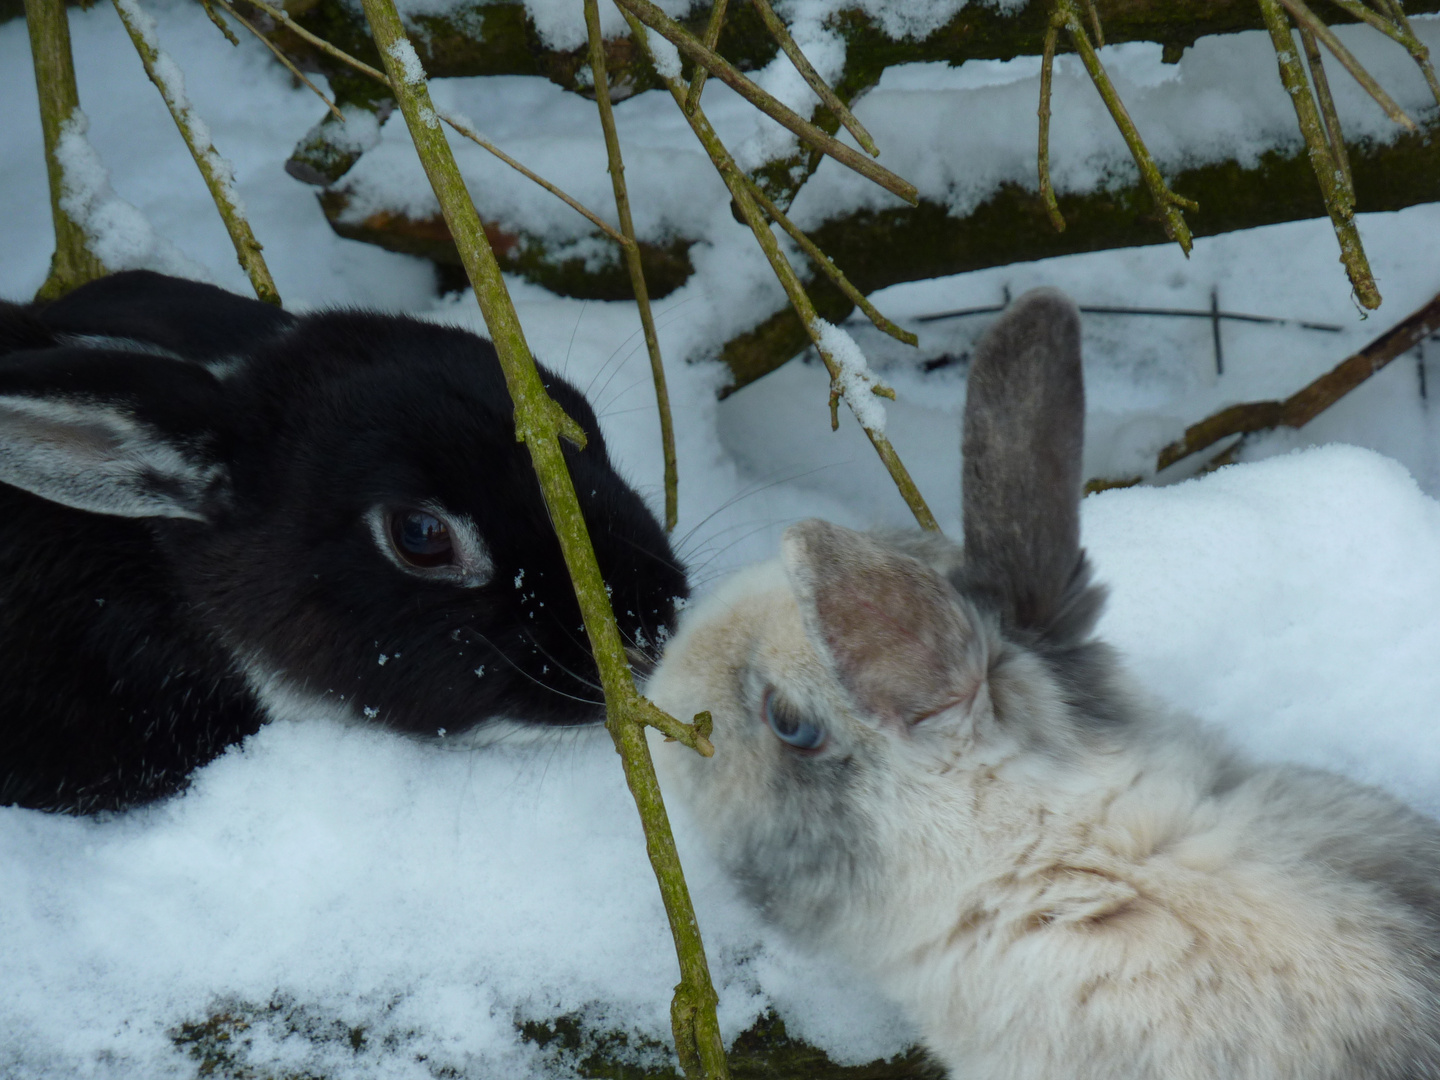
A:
138	645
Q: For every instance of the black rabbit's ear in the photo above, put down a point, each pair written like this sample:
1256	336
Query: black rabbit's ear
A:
198	321
119	434
1024	436
888	626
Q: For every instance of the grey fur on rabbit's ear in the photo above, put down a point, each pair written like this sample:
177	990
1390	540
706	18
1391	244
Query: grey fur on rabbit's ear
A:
925	764
1022	456
214	513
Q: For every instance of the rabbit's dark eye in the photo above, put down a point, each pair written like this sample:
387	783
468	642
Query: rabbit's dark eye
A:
789	724
421	539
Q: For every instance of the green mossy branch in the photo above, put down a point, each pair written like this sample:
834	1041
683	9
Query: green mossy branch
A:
880	248
216	171
1168	204
539	424
695	50
742	191
1339	203
72	263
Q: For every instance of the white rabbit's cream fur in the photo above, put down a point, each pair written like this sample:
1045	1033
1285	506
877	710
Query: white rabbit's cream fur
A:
1076	912
1057	877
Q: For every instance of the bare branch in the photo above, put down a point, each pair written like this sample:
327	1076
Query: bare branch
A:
646	12
632	261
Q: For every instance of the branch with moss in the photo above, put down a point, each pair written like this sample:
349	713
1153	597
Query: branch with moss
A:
218	173
847	379
1338	203
1167	203
827	96
283	17
881	248
1311	400
632	260
540	423
72	263
651	16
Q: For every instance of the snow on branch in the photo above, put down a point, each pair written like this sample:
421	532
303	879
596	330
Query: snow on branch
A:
219	174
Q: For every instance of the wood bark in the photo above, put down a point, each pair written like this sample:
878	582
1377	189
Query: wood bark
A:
48	22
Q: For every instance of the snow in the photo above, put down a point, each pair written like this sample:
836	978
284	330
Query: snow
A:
323	880
665	55
116	233
856	381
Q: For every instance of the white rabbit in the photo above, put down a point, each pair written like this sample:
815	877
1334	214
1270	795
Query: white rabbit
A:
925	764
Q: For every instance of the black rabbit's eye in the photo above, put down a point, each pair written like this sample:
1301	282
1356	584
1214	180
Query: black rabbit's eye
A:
421	538
789	725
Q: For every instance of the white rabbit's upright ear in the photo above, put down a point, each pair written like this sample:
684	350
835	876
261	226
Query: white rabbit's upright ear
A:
1024	436
889	626
129	440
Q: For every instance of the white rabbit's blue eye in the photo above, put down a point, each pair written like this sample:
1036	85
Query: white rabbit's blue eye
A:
790	725
421	538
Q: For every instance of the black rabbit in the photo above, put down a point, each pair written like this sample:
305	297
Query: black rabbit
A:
213	513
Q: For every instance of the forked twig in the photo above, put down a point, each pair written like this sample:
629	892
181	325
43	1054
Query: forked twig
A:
1338	202
812	78
647	13
1042	156
842	380
1308	20
711	39
1167	202
826	264
279	53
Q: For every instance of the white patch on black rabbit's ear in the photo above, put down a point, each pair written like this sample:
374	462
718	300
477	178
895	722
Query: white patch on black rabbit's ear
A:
97	457
892	630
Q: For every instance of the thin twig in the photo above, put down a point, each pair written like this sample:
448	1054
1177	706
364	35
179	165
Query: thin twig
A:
1333	132
1308	20
711	39
742	192
1397	27
647	13
1042	156
279	53
1418	49
220	23
1095	24
540	423
1311	400
1337	202
1167	202
827	96
632	261
826	264
217	172
280	15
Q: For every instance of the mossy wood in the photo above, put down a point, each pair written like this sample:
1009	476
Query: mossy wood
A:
880	248
223	1046
72	264
540	424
